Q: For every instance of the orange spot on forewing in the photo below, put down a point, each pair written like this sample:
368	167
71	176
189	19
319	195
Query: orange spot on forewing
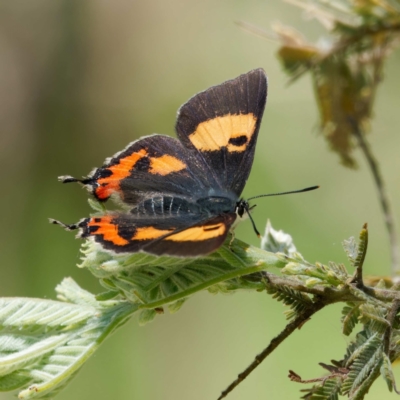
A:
165	165
215	133
119	171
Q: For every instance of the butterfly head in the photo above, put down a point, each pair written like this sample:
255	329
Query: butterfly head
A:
243	206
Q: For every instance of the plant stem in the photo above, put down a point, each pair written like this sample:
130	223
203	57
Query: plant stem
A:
275	342
383	197
390	318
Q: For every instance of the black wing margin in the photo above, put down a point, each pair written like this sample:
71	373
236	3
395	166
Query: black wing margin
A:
222	125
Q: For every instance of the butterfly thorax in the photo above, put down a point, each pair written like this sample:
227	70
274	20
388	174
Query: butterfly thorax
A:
216	205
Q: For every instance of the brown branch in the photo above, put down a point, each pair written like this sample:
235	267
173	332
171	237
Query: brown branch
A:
337	373
390	318
275	342
323	295
383	196
335	295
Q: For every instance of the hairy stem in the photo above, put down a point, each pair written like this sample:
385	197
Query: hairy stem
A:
383	197
390	318
275	342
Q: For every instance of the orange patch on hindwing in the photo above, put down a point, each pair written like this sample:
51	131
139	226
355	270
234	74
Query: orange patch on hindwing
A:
108	230
199	233
149	233
231	131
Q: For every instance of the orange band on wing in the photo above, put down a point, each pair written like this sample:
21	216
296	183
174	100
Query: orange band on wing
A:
231	131
149	233
108	230
119	171
199	233
165	165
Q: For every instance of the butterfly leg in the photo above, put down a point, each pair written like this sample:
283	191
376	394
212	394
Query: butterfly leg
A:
232	232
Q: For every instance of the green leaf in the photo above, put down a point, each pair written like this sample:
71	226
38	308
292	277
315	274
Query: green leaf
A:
330	389
96	205
297	301
327	275
14	380
387	372
175	307
156	281
44	342
350	246
146	316
373	317
364	356
350	316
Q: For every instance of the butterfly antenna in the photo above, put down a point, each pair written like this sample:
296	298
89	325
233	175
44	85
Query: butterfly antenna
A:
281	193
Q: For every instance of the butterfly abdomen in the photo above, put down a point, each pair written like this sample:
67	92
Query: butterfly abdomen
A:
166	206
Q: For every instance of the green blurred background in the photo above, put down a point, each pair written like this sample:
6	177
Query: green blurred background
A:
81	79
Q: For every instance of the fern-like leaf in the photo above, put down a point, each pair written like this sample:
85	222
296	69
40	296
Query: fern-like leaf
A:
350	247
155	281
330	389
365	355
44	343
350	316
373	317
297	301
387	372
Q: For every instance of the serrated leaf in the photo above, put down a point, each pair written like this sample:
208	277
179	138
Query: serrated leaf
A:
44	342
373	317
365	356
387	372
18	313
362	343
330	389
156	281
296	300
350	316
350	246
339	271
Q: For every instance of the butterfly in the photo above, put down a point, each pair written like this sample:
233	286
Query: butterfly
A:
181	195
